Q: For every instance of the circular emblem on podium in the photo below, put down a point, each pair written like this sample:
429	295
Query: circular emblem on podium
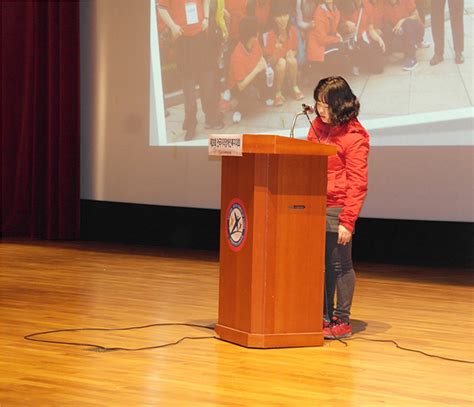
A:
236	224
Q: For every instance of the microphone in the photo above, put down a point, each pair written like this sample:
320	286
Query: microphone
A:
306	109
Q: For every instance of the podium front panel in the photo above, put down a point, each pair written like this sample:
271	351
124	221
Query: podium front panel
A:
271	283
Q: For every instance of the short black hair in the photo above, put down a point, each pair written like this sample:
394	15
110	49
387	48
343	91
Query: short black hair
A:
336	92
280	8
248	28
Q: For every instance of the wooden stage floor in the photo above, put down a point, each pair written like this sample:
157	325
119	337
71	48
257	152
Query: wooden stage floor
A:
59	285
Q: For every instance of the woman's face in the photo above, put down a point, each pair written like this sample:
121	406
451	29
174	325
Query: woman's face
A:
282	21
323	111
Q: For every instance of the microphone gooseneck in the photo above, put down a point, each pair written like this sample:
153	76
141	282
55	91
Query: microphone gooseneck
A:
309	109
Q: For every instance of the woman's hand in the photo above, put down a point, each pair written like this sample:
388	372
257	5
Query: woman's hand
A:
398	27
176	31
344	236
205	24
350	27
381	43
226	15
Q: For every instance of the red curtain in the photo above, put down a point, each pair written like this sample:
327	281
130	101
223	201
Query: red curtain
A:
40	138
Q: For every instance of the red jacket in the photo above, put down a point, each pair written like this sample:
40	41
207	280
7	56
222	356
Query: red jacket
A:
401	9
291	43
323	34
347	170
365	20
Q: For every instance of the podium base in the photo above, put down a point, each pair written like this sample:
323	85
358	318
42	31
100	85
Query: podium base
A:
265	341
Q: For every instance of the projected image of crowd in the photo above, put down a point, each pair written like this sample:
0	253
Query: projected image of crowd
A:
238	57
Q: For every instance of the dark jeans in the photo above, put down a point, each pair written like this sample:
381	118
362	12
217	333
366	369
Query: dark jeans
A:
456	8
254	91
195	68
336	63
339	278
412	34
368	57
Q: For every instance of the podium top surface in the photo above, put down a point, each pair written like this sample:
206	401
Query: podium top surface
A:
269	144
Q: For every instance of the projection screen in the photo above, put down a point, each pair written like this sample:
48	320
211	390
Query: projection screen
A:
134	150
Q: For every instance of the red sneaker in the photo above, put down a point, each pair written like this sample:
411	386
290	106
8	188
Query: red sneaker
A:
337	329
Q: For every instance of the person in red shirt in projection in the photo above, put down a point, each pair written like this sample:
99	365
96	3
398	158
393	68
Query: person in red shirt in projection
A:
325	48
260	9
304	21
366	46
337	124
403	30
188	21
377	14
247	69
236	10
280	52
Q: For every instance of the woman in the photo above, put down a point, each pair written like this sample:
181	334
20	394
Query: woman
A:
366	44
336	123
280	52
324	50
304	21
403	30
190	46
235	11
247	69
261	10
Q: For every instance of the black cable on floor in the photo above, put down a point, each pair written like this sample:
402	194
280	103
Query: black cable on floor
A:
409	349
99	348
386	341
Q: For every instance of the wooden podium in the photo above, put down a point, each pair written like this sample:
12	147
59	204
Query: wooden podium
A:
273	220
